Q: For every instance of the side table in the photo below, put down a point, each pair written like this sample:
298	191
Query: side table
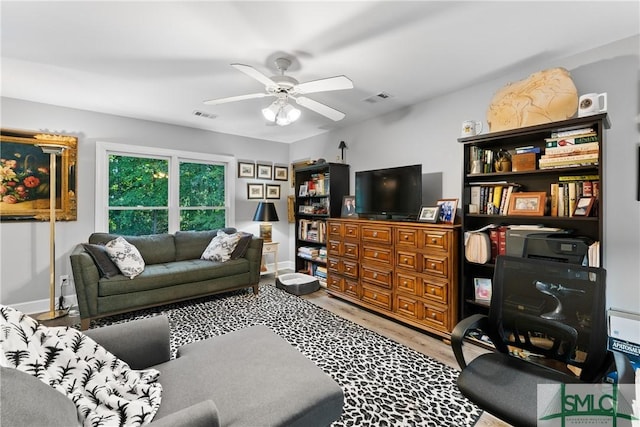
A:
269	248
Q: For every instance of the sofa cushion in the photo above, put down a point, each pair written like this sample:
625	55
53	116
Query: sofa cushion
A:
170	274
255	378
154	248
191	244
221	247
125	256
99	254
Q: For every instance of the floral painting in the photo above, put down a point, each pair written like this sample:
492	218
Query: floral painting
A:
25	176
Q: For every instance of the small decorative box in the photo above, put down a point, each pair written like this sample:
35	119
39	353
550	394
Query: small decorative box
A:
523	162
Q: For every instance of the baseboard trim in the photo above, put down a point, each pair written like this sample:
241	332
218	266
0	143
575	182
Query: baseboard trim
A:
39	306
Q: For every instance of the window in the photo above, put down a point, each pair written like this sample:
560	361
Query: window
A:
142	190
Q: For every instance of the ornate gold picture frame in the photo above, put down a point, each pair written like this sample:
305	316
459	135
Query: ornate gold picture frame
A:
25	176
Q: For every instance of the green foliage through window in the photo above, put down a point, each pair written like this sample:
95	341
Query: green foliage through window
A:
139	189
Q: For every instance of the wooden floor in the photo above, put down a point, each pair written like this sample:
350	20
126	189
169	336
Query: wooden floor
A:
407	336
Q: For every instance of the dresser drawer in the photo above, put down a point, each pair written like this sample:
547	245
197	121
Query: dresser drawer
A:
351	288
351	231
380	277
375	296
435	316
435	290
334	247
350	250
406	306
407	237
436	239
350	269
334	265
407	260
378	234
334	229
435	264
407	283
372	253
335	283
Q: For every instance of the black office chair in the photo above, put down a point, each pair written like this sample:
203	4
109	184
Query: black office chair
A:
547	321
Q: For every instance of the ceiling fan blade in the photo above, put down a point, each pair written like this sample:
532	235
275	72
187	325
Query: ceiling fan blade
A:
324	85
320	108
252	72
236	98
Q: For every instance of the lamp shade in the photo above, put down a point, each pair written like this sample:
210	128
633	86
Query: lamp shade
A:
266	212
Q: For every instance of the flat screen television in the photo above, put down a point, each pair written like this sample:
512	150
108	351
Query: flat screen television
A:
391	193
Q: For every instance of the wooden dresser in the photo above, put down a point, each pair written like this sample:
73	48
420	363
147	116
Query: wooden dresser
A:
404	270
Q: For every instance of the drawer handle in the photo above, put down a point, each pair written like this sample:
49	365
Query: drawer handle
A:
375	296
375	254
406	260
433	265
432	291
375	275
406	237
433	315
405	283
375	234
350	288
434	240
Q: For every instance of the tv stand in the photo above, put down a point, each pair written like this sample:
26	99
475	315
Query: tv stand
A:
407	271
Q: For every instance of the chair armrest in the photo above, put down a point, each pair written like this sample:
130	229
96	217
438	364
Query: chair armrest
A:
203	414
626	375
476	321
141	343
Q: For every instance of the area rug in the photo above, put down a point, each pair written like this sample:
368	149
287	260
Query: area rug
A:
385	383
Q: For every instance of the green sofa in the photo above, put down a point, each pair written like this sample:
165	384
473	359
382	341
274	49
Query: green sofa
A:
173	272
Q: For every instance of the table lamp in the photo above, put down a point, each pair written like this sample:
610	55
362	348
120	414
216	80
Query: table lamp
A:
265	213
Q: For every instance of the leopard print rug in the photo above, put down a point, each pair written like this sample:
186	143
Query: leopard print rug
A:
385	383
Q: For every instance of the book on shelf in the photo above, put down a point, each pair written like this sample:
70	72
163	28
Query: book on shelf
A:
571	149
569	141
528	149
491	198
572	132
569	160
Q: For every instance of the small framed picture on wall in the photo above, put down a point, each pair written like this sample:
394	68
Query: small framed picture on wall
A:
255	191
246	170
273	191
281	173
265	171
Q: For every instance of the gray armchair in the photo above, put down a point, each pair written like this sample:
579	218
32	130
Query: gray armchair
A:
250	377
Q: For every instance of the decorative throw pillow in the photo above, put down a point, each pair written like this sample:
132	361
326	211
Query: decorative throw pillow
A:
125	256
243	244
106	267
221	247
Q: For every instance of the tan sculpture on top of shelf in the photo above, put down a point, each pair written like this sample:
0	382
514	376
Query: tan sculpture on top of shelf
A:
545	96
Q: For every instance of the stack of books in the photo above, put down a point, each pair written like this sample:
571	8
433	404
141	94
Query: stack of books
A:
577	147
308	252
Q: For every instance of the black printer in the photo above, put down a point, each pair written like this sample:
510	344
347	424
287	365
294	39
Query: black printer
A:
559	247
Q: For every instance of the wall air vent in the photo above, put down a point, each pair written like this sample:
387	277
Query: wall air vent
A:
378	97
203	114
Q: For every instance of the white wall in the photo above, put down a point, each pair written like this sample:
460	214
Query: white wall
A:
424	133
24	247
427	133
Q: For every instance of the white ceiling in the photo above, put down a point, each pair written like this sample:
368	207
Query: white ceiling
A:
160	60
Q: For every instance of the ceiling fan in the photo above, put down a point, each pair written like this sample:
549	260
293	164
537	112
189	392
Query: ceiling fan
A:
285	88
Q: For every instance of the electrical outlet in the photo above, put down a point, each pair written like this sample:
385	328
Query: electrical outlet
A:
64	280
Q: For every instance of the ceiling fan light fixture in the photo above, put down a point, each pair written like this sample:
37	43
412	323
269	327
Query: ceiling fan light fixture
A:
282	113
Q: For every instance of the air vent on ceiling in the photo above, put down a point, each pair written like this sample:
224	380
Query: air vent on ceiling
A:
203	114
378	97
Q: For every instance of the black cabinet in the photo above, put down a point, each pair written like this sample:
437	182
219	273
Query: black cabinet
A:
319	191
559	176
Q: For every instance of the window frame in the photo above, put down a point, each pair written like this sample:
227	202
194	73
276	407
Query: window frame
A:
174	157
